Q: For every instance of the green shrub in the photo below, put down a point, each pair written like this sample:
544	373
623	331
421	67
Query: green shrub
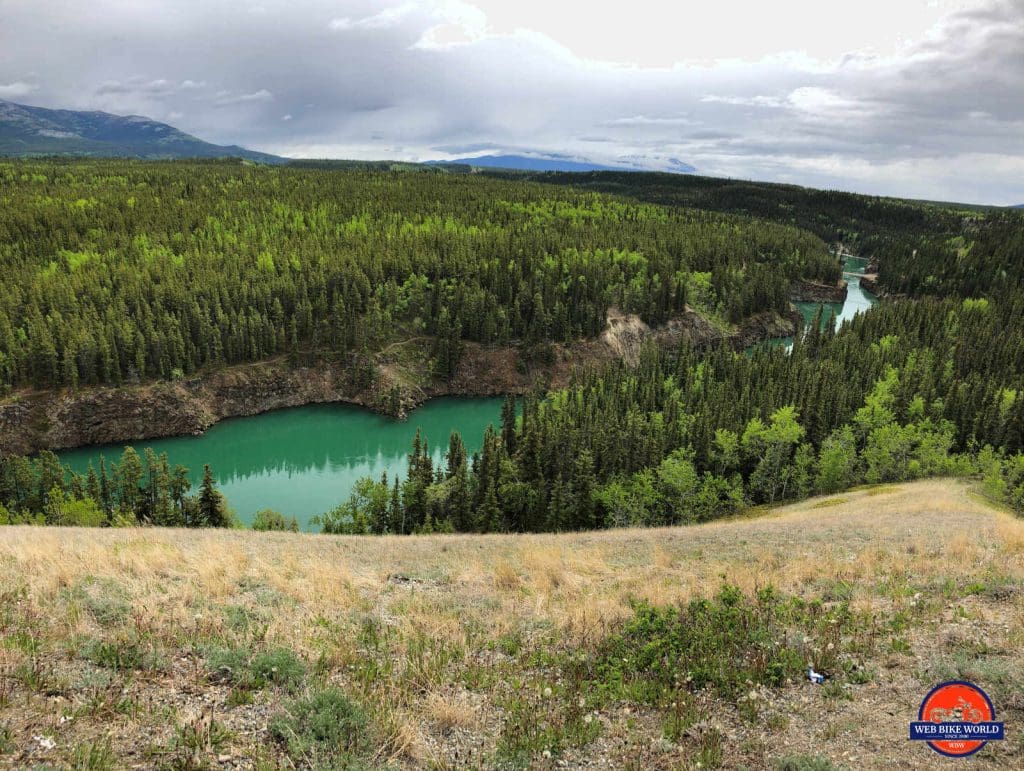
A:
236	666
279	666
726	643
270	520
123	653
324	729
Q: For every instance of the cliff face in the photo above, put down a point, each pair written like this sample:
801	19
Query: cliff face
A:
814	292
103	415
63	420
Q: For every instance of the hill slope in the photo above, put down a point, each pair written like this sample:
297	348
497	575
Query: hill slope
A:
27	131
470	651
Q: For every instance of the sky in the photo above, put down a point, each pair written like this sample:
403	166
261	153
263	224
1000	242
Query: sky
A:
916	98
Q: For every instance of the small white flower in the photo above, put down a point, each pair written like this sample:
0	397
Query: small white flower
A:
546	753
583	702
547	692
45	742
830	646
588	718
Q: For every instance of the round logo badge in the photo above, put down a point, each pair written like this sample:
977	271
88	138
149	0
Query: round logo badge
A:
956	719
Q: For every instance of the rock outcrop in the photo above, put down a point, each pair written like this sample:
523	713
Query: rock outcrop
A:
58	420
814	292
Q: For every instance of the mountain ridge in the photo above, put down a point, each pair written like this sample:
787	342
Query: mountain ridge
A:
32	131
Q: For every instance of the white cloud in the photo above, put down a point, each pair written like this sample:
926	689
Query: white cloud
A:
226	98
389	17
16	89
744	101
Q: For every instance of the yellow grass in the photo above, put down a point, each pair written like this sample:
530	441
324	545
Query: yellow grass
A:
468	591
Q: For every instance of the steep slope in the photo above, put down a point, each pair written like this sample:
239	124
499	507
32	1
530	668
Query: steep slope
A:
26	130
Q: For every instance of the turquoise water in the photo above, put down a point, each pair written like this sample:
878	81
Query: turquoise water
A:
304	461
857	301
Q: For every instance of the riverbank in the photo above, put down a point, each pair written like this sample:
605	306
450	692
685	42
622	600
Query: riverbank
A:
172	648
401	380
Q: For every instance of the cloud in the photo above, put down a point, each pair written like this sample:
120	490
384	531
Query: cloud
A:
744	101
16	89
427	79
389	17
225	98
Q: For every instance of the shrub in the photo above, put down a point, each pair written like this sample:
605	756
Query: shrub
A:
277	666
268	520
324	729
725	643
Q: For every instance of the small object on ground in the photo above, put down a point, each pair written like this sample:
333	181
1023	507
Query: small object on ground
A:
815	677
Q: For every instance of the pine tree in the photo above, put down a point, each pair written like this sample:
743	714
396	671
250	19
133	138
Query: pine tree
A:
212	509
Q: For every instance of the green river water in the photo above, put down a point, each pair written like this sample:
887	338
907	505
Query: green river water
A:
304	461
857	301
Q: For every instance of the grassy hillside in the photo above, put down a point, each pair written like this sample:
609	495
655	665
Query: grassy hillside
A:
226	649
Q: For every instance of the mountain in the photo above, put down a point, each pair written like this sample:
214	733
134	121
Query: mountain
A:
554	162
1018	206
26	130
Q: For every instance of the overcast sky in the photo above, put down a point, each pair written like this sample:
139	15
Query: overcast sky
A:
920	98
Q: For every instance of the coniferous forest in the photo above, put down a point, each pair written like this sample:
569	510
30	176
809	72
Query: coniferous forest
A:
116	272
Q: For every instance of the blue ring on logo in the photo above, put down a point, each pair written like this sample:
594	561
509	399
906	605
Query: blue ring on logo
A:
940	686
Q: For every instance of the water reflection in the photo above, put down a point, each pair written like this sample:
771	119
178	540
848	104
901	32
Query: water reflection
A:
306	460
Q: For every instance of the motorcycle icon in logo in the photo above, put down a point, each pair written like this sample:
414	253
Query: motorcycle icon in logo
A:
956	719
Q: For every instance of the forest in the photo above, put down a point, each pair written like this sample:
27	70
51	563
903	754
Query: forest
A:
909	390
121	271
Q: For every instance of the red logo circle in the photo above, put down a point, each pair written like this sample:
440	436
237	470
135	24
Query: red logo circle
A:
957	702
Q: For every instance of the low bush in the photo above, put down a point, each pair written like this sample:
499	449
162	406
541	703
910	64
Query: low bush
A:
324	730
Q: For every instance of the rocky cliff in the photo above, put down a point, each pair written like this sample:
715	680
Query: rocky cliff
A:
814	292
33	421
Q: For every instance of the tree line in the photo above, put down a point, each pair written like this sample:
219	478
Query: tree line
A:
132	491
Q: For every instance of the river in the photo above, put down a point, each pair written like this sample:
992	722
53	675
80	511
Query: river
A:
306	460
857	301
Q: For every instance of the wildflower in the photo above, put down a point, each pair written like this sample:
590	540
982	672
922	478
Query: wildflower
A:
546	753
588	718
547	692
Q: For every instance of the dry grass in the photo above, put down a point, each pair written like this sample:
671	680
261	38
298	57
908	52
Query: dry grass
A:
450	610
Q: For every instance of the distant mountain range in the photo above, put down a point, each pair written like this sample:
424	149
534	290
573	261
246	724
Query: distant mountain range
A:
553	162
26	131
